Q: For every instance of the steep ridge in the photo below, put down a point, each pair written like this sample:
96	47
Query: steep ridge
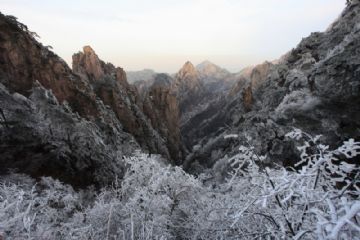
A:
161	106
314	87
24	60
110	85
52	123
72	126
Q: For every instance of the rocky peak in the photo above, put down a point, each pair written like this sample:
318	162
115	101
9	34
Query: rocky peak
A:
188	72
209	71
188	66
134	107
88	50
88	63
188	88
207	66
120	75
187	79
205	63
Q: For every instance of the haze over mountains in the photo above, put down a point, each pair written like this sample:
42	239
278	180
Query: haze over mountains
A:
85	125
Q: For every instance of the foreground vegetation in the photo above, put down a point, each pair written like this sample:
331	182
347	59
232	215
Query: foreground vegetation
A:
318	200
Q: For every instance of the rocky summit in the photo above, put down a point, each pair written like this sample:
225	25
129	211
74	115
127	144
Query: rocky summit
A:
210	72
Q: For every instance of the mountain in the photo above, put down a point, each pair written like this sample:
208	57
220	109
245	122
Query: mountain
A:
77	145
209	72
133	109
53	123
111	86
217	80
77	124
187	79
314	87
188	88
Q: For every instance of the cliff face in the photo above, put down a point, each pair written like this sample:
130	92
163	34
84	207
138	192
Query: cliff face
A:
42	137
23	61
248	83
161	106
314	87
254	77
110	85
88	64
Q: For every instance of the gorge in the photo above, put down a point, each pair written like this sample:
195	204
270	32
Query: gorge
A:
84	129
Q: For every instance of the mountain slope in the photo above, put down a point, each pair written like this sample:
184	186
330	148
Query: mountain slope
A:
140	115
315	87
52	123
80	124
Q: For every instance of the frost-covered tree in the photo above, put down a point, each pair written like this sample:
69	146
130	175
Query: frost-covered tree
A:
318	199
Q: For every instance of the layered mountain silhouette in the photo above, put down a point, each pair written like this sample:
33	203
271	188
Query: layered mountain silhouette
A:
74	124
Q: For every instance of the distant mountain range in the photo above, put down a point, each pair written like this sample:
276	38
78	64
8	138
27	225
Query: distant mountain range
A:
207	70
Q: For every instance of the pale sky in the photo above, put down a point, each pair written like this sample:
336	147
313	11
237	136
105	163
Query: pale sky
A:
163	34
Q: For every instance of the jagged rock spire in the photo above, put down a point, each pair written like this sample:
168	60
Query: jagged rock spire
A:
87	63
188	71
